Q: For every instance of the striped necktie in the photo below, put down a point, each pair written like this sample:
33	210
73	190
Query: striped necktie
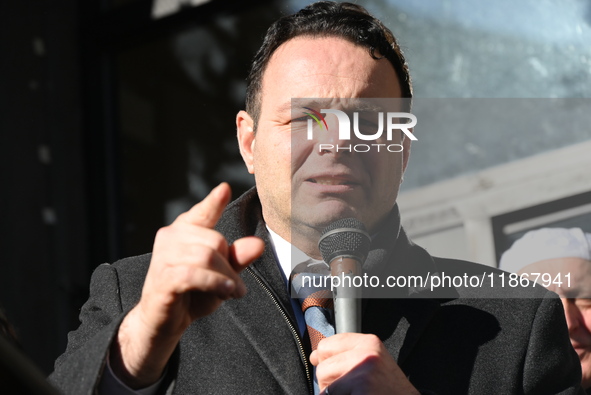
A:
311	283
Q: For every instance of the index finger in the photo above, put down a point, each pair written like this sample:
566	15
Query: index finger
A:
207	212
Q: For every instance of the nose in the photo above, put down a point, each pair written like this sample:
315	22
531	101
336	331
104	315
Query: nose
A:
328	141
572	314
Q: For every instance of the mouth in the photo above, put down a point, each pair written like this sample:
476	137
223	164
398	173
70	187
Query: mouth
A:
330	180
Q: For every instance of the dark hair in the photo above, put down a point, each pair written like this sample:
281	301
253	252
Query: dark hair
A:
324	19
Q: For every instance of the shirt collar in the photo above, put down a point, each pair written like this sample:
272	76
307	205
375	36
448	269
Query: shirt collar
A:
288	255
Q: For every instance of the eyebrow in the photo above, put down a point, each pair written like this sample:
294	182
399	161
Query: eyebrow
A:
350	105
299	104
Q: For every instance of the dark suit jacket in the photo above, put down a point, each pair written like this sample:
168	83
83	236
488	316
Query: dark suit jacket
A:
450	341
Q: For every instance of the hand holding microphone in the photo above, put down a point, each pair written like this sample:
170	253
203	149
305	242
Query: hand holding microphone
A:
351	362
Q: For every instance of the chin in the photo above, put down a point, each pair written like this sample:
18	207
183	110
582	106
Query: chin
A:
324	216
324	209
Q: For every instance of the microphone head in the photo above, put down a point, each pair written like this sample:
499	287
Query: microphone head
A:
344	237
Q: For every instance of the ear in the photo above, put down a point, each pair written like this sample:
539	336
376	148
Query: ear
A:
406	150
246	139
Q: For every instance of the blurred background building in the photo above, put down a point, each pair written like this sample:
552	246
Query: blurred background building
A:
117	115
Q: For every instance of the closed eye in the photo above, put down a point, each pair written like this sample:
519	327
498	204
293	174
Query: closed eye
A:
301	119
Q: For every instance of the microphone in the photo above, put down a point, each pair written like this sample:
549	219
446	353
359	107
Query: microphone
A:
344	245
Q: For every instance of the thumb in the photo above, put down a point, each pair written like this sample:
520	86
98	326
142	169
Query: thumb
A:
245	250
207	212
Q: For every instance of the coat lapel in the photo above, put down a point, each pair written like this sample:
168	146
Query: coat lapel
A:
403	325
269	326
265	315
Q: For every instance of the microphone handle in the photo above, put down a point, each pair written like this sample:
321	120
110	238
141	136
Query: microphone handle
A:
347	297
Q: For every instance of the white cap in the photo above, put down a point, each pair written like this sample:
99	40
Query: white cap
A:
547	243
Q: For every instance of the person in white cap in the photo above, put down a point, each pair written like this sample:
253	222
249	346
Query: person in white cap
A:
560	260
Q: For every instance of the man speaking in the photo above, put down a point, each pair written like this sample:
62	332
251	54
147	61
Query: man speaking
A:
210	310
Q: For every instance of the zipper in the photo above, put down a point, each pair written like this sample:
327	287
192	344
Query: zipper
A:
291	326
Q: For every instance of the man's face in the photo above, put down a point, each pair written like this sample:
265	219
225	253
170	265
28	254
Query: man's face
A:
576	302
302	190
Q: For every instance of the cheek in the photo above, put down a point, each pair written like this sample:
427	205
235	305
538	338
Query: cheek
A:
387	169
299	150
270	153
304	158
586	318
